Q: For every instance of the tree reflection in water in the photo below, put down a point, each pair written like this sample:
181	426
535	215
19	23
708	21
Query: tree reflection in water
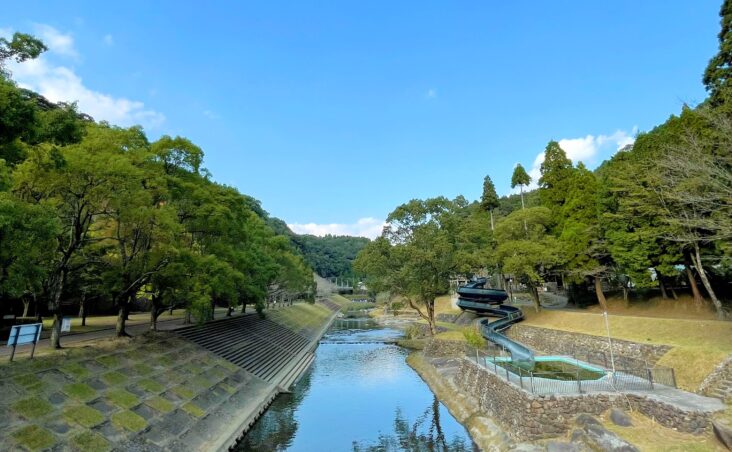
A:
418	436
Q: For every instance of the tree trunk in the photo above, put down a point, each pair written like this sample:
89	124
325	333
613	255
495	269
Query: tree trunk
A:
535	295
492	228
707	284
664	295
521	188
695	292
673	292
187	317
600	295
625	295
58	285
56	329
244	307
26	306
82	311
154	309
122	319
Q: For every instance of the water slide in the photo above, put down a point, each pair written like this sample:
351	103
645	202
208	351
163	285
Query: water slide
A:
474	297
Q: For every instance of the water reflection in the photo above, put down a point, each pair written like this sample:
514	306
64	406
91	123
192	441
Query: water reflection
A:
417	436
359	395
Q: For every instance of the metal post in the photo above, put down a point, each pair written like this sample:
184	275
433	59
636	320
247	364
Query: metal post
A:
609	341
579	385
650	376
673	376
15	343
521	378
507	377
33	350
531	375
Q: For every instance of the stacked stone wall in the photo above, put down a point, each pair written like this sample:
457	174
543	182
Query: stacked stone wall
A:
527	416
549	341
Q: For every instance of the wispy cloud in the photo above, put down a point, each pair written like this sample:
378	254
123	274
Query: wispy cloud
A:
585	149
56	41
364	227
59	83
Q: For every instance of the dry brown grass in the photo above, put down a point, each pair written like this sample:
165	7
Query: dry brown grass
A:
683	308
648	435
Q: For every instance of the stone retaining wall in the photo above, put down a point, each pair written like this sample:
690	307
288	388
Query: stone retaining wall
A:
719	382
437	348
559	342
527	416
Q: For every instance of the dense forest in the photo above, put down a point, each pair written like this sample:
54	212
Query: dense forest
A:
658	214
330	255
94	215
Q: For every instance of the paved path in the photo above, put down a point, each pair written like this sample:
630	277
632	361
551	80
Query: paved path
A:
135	326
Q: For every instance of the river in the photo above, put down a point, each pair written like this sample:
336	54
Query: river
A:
359	395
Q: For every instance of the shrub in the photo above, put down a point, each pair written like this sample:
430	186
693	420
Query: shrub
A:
473	337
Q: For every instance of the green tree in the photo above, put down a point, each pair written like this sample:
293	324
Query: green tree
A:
555	181
521	179
718	74
416	254
21	47
529	254
489	198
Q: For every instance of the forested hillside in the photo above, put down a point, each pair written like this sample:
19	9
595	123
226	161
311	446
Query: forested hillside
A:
330	255
94	214
657	215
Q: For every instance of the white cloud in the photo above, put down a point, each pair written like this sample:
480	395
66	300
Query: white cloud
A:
585	149
108	39
59	83
431	93
364	227
57	42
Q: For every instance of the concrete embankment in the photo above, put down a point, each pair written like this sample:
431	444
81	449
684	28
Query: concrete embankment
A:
162	391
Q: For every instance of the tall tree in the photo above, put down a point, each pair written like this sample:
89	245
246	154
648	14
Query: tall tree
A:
554	184
718	74
489	199
521	179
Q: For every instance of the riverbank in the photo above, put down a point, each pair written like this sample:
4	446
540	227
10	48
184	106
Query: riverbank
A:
152	391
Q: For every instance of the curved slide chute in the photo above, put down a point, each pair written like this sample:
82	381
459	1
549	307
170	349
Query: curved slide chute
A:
474	297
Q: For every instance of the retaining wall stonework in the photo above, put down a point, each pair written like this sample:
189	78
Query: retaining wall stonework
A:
438	348
526	416
558	342
719	383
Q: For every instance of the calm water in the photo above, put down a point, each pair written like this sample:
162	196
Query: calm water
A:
358	397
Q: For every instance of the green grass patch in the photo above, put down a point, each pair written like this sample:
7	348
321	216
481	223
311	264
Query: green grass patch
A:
228	388
114	378
129	421
150	385
201	382
122	398
90	442
183	391
34	437
228	366
160	404
166	360
143	369
32	408
75	370
109	361
193	410
28	381
81	391
84	415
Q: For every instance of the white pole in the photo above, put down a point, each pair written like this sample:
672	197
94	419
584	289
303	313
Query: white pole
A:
609	341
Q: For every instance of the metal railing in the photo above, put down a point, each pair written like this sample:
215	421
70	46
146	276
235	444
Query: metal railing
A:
576	378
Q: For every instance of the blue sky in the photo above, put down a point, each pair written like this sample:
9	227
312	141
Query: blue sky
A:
333	113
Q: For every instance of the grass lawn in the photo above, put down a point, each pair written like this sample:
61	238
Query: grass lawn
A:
698	345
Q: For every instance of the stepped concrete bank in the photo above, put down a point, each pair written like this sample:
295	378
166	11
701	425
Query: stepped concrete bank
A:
199	388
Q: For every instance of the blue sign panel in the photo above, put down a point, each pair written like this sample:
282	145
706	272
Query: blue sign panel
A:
24	334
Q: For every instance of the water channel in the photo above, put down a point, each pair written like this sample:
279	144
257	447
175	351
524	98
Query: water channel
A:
359	395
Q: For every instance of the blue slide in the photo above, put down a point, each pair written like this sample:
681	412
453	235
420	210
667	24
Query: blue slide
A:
493	330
